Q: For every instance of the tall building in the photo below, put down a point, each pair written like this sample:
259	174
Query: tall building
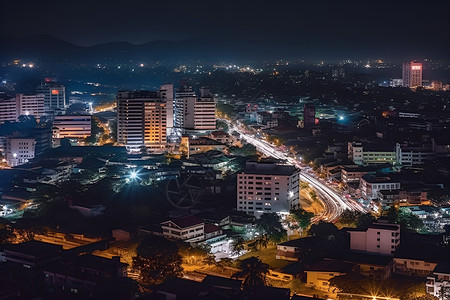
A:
54	95
72	126
267	188
412	74
166	92
141	120
8	109
30	105
309	115
194	112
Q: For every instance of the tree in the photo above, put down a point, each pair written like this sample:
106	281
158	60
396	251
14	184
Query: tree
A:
262	241
6	233
157	259
209	260
254	272
238	244
270	225
302	217
224	263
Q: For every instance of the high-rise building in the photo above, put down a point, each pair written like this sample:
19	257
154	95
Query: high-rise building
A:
141	120
72	126
412	74
8	109
30	105
267	188
309	115
193	112
54	95
166	92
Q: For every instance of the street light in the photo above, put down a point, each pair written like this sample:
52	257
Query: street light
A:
133	175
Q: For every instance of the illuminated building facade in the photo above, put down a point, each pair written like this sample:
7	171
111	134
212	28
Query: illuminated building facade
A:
141	120
412	74
72	126
19	150
30	105
267	188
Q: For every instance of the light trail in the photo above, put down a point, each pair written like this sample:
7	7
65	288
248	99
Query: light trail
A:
334	203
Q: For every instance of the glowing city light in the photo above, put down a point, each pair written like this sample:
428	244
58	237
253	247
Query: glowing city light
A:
133	175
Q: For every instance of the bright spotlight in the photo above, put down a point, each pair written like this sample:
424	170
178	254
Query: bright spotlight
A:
133	175
341	118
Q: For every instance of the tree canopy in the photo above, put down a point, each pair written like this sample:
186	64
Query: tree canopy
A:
270	224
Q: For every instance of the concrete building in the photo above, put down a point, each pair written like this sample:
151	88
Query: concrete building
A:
142	120
413	267
412	74
438	284
379	238
184	228
371	154
195	113
318	275
32	254
30	105
19	150
166	92
72	126
8	109
267	188
309	115
54	95
370	186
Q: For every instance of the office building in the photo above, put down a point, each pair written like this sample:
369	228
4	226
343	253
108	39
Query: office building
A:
141	120
267	188
30	105
193	112
19	150
8	109
54	95
72	126
370	185
363	154
309	115
412	74
379	238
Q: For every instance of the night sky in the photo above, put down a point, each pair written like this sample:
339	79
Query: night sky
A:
397	24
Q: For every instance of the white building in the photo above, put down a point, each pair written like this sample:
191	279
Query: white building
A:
438	284
19	150
72	126
30	105
370	154
166	92
184	228
370	186
195	113
8	109
54	95
141	120
380	238
267	188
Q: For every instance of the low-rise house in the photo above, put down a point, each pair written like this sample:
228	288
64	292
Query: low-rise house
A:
184	228
413	267
438	283
319	274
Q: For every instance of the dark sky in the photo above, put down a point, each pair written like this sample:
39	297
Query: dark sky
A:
391	23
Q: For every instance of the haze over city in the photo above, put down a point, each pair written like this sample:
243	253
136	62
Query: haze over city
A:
225	150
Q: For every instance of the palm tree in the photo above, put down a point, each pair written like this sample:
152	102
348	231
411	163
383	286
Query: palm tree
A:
254	272
262	241
238	244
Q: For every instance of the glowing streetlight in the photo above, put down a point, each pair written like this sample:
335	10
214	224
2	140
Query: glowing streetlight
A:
133	175
341	118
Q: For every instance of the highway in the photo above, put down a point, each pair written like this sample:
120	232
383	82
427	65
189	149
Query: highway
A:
333	201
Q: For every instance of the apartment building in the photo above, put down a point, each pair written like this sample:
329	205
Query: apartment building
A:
267	188
379	238
30	105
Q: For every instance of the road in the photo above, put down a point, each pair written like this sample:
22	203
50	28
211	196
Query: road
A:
333	201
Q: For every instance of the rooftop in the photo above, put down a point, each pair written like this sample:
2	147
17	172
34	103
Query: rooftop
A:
34	248
259	168
186	221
